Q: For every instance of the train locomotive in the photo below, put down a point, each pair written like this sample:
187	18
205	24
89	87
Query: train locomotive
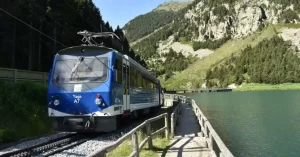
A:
92	88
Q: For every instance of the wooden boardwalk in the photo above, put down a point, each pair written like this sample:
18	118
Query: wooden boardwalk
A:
187	141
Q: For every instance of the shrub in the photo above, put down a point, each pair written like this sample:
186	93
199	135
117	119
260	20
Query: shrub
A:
23	106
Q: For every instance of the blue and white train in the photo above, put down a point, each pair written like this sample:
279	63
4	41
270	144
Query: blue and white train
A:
92	88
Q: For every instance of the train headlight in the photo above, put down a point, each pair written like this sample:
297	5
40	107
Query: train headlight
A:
56	102
98	100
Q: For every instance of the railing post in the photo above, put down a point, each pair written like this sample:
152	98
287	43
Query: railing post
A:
135	144
172	124
206	136
149	135
210	141
221	154
167	127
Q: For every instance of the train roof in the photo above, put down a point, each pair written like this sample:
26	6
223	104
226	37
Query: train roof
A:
143	69
76	49
80	47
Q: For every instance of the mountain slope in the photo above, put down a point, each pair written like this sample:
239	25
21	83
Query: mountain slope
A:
172	6
145	24
194	76
214	30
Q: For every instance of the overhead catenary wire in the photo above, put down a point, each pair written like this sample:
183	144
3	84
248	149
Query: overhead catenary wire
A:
32	27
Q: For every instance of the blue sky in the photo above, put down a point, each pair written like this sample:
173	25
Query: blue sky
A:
119	12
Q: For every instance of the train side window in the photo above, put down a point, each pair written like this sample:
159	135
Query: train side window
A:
133	80
118	71
140	80
153	86
143	82
148	84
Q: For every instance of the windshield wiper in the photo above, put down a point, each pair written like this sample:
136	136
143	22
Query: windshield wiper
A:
76	66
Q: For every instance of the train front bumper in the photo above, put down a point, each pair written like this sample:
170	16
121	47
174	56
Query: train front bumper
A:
84	123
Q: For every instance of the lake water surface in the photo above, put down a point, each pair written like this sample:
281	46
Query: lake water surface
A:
260	124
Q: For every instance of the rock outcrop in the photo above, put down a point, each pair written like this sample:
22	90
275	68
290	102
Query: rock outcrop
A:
292	34
235	20
185	49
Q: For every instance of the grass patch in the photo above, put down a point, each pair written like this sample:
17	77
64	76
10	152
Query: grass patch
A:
165	42
125	149
266	87
23	110
182	40
194	75
289	25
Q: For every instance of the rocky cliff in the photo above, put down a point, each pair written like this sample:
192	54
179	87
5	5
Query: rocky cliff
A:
237	19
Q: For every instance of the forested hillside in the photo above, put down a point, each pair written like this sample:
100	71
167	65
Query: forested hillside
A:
145	24
32	31
270	62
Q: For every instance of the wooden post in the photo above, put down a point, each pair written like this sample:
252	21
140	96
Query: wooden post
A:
221	154
135	144
201	133
206	136
167	127
211	141
149	135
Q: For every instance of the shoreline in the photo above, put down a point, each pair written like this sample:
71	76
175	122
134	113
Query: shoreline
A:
267	87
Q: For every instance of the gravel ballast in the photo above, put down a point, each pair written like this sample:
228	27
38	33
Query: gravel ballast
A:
33	142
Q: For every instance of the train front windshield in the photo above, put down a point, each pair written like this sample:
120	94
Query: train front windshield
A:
85	70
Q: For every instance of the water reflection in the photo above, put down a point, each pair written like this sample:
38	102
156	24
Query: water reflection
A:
255	123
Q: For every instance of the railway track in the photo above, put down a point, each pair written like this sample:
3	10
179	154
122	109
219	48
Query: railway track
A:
38	149
74	144
67	144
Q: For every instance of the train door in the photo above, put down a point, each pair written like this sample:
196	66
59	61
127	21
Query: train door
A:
126	97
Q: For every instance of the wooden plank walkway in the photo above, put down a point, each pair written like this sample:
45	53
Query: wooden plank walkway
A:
187	141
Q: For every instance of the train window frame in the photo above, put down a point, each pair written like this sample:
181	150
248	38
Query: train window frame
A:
118	69
74	82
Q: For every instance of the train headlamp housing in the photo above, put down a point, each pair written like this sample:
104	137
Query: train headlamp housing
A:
56	102
98	100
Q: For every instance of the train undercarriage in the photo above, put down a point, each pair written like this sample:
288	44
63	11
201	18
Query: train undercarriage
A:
99	123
